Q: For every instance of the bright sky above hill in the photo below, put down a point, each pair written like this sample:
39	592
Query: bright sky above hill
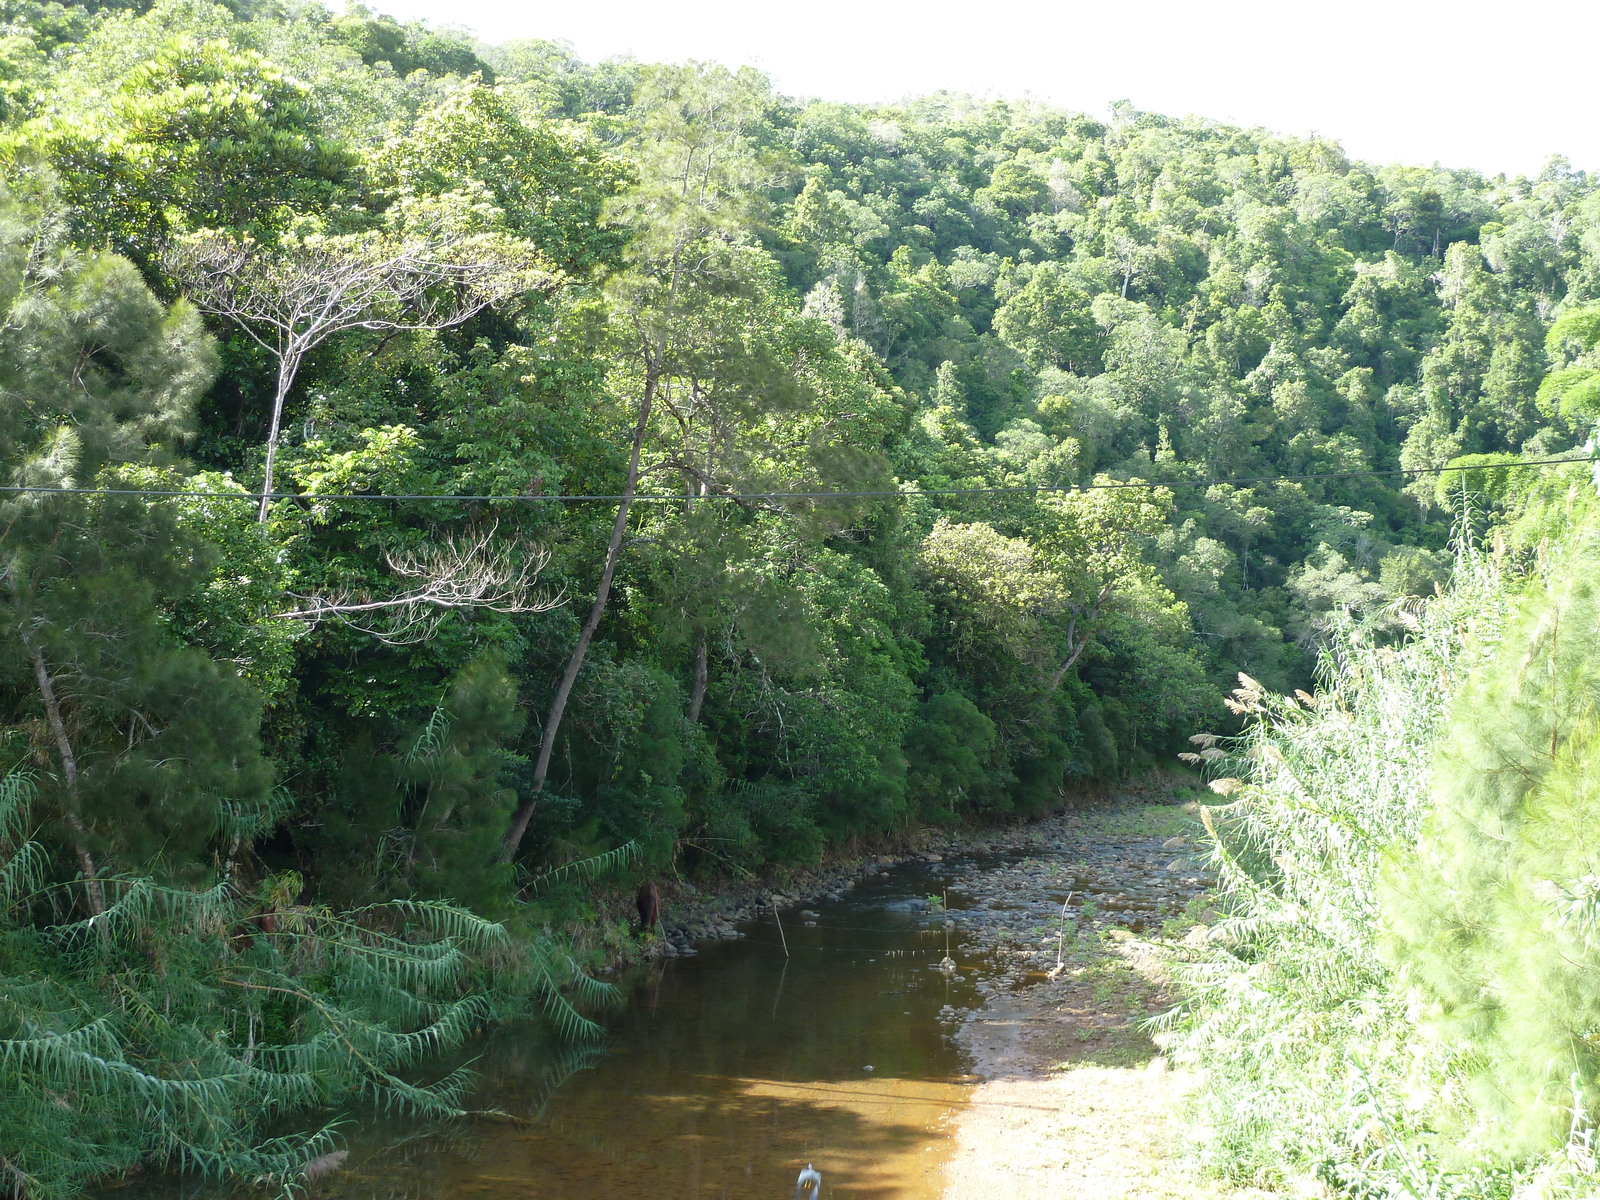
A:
1417	81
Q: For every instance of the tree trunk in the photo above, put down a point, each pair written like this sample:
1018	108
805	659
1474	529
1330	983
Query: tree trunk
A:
69	775
697	688
1060	675
558	706
287	367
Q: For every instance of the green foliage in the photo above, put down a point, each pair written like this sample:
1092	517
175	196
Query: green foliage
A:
185	1027
142	731
1316	1073
671	280
97	371
948	749
1574	391
546	185
1494	905
202	134
377	38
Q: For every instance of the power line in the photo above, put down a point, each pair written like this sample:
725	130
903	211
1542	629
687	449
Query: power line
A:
885	493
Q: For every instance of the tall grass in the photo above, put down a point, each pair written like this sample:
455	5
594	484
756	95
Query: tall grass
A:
1323	1071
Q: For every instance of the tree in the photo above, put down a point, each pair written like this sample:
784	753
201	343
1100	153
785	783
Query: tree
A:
1093	541
1573	391
547	185
201	135
690	217
142	737
1495	906
1050	323
948	750
993	591
290	300
213	1018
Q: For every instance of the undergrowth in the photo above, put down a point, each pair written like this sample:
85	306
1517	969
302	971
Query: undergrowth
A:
195	1030
1402	996
1318	1071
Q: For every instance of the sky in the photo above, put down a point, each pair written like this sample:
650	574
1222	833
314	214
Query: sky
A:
1459	83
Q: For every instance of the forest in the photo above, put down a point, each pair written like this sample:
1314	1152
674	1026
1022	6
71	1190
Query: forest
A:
435	472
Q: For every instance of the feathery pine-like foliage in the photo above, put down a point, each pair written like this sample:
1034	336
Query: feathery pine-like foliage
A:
1495	908
1401	996
189	1029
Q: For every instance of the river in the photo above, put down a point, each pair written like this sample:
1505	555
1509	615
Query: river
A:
722	1075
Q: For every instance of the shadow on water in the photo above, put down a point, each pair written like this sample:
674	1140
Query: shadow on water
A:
724	1075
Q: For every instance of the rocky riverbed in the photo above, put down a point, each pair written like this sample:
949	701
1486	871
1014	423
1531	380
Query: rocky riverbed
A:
1003	886
1076	1100
1067	927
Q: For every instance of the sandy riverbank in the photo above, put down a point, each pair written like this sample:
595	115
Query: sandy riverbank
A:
1076	1101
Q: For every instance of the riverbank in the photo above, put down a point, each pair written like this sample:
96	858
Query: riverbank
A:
1066	926
845	1040
1076	1101
691	915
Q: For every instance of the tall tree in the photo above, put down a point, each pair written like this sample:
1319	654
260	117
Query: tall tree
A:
143	738
427	275
691	215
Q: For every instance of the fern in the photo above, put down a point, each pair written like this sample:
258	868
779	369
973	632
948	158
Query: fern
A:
592	867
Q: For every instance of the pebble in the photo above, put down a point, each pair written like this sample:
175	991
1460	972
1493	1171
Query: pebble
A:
1053	869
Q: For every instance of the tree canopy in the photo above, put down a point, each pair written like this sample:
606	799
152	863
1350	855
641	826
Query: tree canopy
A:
736	470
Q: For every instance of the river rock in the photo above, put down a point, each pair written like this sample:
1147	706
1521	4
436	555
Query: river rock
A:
915	904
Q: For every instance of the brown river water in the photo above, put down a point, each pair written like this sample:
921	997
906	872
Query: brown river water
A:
720	1078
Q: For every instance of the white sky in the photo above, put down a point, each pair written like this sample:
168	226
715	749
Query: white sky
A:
1449	81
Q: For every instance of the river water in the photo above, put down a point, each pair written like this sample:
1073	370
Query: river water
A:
722	1076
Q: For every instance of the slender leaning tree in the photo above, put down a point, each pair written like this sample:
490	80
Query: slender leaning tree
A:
692	218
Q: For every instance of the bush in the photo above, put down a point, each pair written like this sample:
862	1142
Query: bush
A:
1316	1068
1497	908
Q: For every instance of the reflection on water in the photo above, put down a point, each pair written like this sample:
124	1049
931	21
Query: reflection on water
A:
724	1075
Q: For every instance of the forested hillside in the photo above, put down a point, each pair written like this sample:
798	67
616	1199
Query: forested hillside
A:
429	464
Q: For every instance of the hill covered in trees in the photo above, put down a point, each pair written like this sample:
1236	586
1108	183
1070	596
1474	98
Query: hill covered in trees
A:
659	468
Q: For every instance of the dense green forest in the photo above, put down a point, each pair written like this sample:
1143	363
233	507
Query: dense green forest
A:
431	467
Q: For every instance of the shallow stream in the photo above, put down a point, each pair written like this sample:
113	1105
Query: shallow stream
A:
828	1040
723	1075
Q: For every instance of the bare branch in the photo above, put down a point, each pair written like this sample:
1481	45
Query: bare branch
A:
292	300
475	573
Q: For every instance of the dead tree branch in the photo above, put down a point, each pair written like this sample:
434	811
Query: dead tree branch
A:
471	573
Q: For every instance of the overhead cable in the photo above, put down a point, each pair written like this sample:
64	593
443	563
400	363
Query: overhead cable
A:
882	493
